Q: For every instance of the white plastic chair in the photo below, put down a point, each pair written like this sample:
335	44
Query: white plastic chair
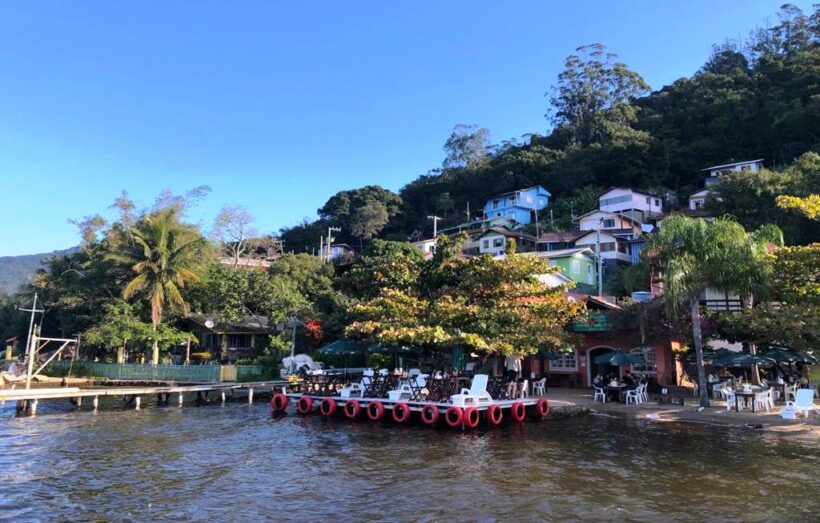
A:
525	390
633	396
539	388
788	392
404	392
644	395
600	395
729	394
803	401
356	390
476	394
762	400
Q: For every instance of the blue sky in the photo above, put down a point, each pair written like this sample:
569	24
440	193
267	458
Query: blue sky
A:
279	105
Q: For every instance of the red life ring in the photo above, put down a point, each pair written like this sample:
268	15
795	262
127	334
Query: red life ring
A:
304	405
327	407
518	411
352	409
401	412
375	410
542	408
454	416
429	414
279	401
471	417
495	414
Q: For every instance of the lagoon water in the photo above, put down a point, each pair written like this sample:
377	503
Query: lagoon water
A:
238	463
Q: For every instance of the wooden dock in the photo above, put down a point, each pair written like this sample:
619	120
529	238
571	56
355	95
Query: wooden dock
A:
29	399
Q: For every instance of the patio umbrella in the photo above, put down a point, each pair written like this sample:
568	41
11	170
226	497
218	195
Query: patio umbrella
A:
618	359
781	355
743	359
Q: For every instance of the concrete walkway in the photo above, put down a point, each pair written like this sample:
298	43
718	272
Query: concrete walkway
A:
716	414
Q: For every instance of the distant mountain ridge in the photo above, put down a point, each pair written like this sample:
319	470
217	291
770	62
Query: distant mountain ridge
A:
15	271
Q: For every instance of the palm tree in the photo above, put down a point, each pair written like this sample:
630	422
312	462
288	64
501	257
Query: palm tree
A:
165	256
694	255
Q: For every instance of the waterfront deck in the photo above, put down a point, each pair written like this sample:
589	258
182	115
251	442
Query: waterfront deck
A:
29	399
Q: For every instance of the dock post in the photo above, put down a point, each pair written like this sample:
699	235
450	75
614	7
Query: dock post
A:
137	402
250	395
223	396
180	399
33	407
95	402
79	401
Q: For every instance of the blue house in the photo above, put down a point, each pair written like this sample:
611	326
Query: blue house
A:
521	205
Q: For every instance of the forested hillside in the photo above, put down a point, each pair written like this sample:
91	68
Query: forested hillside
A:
756	98
15	271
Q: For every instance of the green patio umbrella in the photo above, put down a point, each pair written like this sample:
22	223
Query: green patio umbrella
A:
743	359
381	348
343	347
782	355
618	359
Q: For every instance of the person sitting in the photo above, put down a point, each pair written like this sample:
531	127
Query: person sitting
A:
598	381
628	380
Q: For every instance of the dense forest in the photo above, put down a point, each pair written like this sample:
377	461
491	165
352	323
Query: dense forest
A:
756	98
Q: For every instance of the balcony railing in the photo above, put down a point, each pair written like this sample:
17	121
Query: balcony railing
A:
724	305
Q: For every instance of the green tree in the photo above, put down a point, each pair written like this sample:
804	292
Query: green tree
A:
481	304
468	146
368	220
592	98
694	255
164	257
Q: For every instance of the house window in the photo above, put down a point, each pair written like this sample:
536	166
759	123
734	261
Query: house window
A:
648	199
609	223
498	242
486	244
649	357
576	267
495	204
589	275
529	198
566	362
498	215
745	167
238	341
657	202
607	247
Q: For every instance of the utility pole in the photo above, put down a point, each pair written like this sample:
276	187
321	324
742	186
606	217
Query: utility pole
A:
468	211
537	226
598	255
435	224
330	231
322	248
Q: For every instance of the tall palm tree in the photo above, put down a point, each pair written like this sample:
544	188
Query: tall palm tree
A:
165	256
694	255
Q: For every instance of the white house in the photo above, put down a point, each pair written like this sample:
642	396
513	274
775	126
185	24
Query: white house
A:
698	200
622	200
614	249
428	247
614	223
728	168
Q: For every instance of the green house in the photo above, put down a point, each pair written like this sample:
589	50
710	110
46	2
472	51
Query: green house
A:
577	264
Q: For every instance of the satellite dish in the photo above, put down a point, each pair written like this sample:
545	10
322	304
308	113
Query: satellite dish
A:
210	324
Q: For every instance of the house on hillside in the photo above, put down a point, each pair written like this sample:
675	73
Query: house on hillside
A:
520	206
496	239
577	264
228	340
427	247
640	205
615	249
714	172
618	224
556	241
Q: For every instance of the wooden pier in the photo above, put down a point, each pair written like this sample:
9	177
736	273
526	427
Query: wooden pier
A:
29	399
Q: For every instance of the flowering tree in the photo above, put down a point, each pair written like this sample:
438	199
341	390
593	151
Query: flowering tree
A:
480	304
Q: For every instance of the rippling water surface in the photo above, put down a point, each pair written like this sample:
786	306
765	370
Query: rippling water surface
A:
236	462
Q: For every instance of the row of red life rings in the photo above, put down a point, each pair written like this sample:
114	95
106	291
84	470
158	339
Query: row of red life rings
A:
454	416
